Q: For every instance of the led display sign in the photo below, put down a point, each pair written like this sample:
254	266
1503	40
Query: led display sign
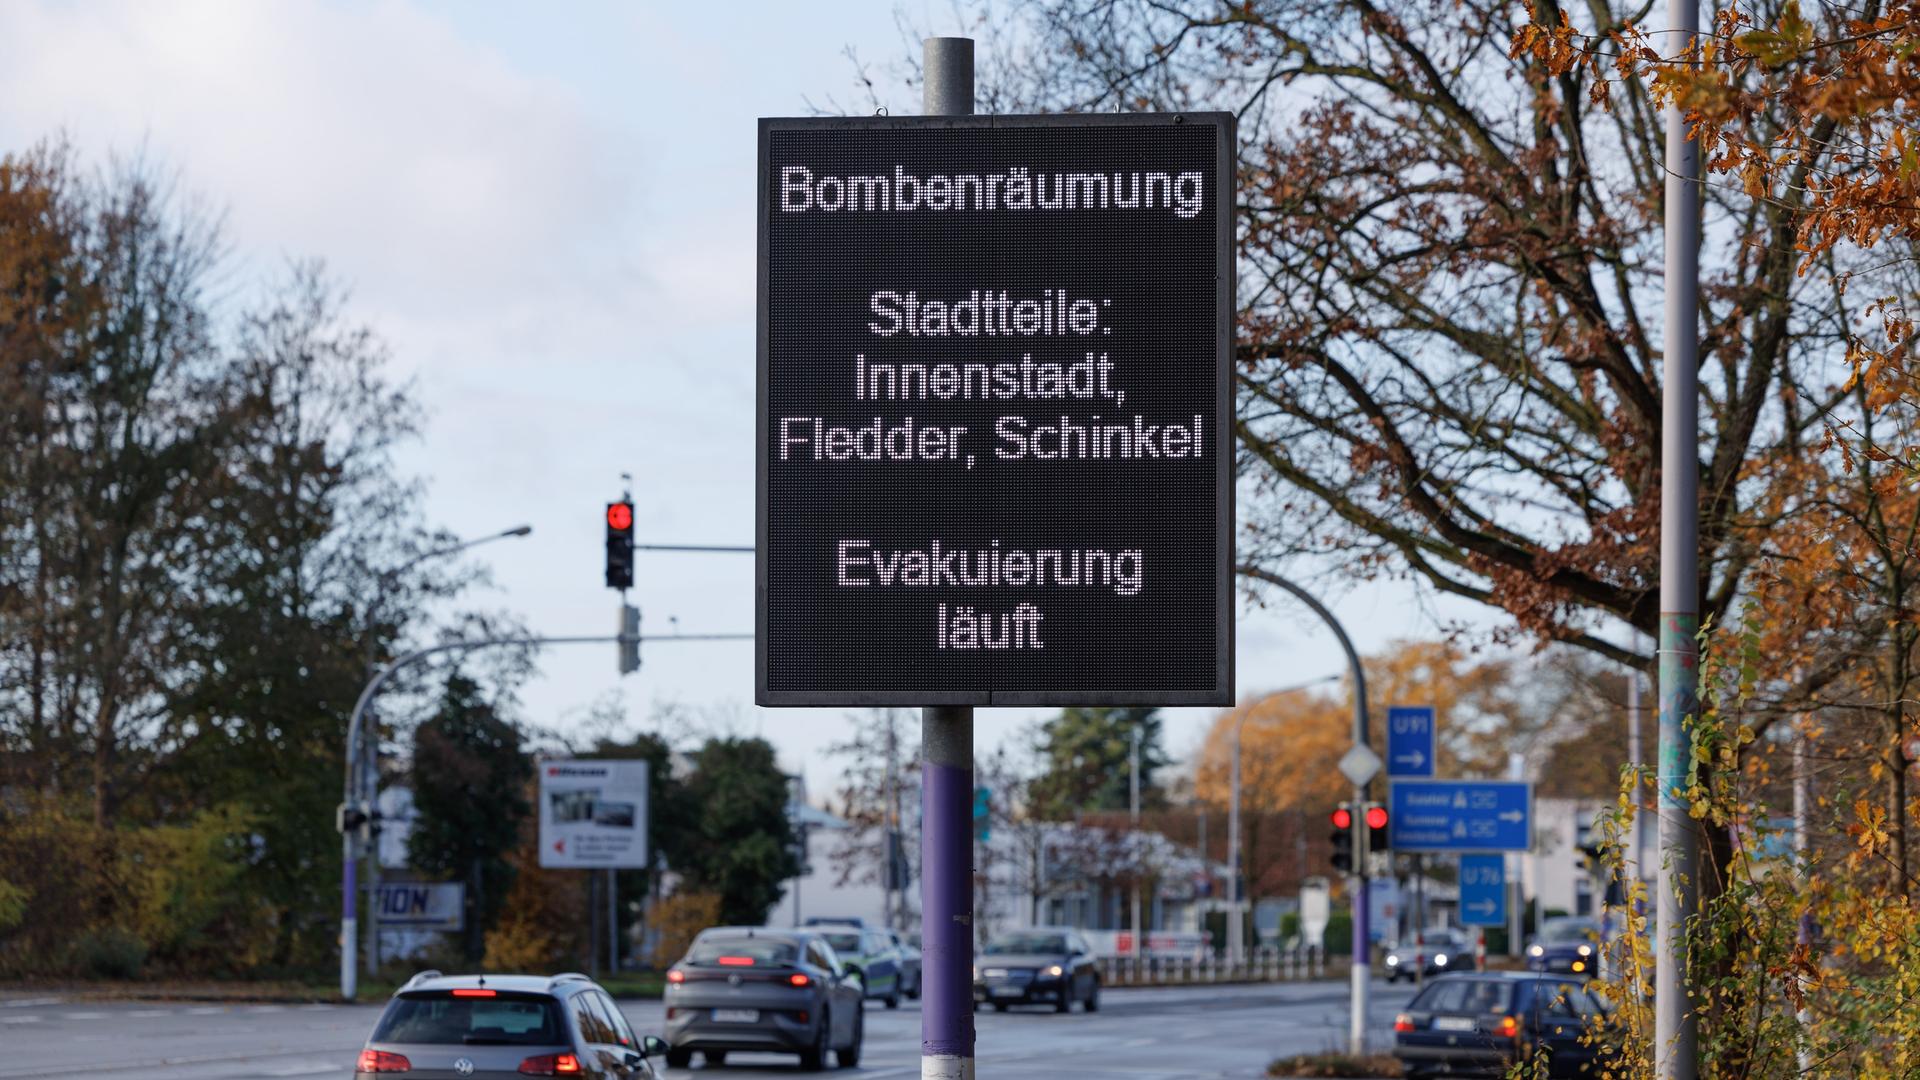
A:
995	419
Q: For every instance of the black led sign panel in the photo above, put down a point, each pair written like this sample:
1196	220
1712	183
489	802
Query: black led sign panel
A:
995	429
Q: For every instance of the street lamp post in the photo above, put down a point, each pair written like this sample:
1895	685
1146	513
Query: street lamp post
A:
1362	949
363	758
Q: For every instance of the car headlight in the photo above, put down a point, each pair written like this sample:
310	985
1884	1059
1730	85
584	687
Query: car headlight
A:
1393	960
1586	950
976	971
1536	950
1054	971
1440	960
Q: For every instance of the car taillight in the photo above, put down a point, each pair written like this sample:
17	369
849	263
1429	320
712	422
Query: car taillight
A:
736	961
551	1065
473	993
802	1016
1403	1022
676	975
380	1061
799	978
1508	1027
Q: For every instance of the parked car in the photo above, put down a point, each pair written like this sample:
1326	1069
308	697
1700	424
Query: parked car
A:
1037	966
1485	1022
1569	943
506	1026
870	952
754	988
909	956
1431	952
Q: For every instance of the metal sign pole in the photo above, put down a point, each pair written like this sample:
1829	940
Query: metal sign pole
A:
1675	1026
946	755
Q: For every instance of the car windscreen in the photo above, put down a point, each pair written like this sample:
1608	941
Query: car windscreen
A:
1464	996
1567	932
443	1018
844	944
1015	944
755	950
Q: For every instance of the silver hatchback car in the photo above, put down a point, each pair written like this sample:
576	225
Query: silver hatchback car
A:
471	1027
751	988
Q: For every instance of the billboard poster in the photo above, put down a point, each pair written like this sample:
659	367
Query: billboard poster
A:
593	814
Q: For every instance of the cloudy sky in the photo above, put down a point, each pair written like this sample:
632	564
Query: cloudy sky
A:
547	211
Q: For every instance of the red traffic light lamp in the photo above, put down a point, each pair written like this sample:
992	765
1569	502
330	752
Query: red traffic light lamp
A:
1343	818
620	545
1376	817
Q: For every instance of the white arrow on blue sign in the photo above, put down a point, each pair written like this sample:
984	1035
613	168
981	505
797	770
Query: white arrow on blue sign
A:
1410	740
1460	815
1483	890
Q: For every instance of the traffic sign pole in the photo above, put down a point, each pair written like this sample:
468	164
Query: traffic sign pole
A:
946	756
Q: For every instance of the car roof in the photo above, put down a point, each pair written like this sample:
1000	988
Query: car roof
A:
1501	976
558	985
791	934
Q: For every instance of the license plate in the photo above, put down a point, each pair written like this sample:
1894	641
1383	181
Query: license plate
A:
1008	991
736	1016
1453	1023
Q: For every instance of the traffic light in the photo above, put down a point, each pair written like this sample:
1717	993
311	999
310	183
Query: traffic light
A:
1342	837
629	639
1376	827
355	820
620	545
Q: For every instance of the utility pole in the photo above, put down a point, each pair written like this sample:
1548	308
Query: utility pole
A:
1676	1027
946	755
1235	932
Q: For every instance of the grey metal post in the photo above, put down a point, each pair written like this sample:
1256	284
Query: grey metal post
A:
946	755
613	922
1676	1027
1802	800
1362	967
1133	814
1235	932
1636	759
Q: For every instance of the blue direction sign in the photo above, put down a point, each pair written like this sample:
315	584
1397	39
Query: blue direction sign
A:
1460	815
1410	740
1483	890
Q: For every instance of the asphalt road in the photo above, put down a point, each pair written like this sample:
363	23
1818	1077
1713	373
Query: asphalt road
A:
1149	1034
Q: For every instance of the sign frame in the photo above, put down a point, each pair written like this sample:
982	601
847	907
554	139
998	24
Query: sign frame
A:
1499	897
1422	745
589	811
1397	816
1221	441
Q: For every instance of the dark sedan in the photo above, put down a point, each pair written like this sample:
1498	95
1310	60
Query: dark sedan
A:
1482	1024
755	989
1568	944
1037	967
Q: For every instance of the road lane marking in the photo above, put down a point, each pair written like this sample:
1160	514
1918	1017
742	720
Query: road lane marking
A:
31	1003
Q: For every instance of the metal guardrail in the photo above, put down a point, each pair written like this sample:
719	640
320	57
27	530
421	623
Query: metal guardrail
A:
1263	965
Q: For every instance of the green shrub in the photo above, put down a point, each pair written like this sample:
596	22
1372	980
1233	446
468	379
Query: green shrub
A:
112	953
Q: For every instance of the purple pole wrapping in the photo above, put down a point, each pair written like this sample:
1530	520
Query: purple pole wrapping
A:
946	906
